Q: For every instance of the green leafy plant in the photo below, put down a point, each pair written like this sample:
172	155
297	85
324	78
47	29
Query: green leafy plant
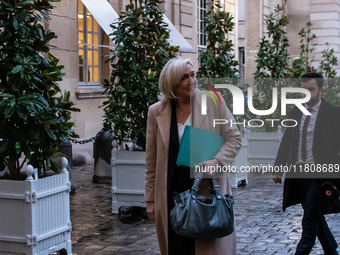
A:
272	62
273	58
307	46
328	63
218	59
34	113
326	68
142	49
217	64
303	63
297	68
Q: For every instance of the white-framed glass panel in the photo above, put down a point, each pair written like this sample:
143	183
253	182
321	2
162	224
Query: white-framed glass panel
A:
89	52
202	9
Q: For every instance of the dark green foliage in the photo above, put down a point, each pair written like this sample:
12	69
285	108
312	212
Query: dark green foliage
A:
217	62
141	51
332	83
218	59
329	61
298	68
307	47
303	63
272	62
34	114
273	59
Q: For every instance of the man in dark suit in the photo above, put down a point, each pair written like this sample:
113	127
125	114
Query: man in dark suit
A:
314	142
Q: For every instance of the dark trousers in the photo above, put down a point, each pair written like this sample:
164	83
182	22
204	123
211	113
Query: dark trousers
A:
313	222
180	181
2	165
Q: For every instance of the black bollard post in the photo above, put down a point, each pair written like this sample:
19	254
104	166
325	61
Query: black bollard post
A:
102	148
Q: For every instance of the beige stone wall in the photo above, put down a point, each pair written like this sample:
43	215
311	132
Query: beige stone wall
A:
298	15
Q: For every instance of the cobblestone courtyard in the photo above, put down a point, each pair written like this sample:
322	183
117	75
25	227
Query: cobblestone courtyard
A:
262	227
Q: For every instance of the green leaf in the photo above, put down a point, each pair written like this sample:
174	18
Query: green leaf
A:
15	23
3	147
9	111
51	134
16	69
7	95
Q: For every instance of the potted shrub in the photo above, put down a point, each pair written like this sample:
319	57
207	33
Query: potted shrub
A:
142	49
34	118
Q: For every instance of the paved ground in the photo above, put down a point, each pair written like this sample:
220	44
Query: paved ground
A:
262	227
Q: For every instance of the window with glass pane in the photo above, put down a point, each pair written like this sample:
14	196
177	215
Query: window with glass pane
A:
202	10
89	50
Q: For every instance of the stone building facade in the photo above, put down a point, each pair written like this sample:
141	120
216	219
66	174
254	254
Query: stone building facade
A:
323	14
82	46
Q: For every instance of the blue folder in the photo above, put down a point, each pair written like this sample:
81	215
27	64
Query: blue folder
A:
198	145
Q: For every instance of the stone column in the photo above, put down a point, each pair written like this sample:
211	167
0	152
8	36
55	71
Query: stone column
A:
252	31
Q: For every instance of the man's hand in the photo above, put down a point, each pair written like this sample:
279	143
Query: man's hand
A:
277	178
150	210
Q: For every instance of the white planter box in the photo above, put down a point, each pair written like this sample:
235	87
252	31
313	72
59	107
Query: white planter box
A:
263	147
35	216
128	179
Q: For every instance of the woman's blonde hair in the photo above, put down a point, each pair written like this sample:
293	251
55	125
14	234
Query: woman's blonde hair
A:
171	75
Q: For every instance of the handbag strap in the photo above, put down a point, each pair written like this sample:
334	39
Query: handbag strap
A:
216	187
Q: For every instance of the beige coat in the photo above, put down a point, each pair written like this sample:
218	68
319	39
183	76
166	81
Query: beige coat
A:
157	149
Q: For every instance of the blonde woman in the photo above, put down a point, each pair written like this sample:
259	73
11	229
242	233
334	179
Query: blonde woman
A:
165	126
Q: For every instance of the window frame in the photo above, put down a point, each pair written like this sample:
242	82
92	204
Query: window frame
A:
202	10
89	48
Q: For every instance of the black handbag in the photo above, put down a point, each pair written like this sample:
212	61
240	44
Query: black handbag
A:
203	217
